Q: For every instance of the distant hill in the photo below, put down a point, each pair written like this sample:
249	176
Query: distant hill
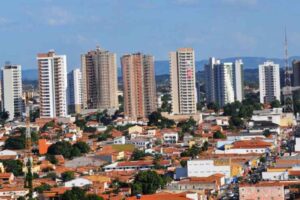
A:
30	74
162	66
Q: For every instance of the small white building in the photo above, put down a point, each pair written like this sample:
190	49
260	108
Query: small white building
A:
275	175
205	168
78	182
120	140
170	137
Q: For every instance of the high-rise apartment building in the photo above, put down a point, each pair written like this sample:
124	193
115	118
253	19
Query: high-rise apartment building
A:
99	80
296	73
238	80
269	82
74	91
224	81
52	84
209	70
12	90
183	81
139	85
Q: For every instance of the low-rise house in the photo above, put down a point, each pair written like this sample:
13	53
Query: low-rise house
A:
205	168
135	165
13	192
262	190
169	136
6	178
255	146
140	143
119	140
8	155
275	174
135	129
78	182
212	183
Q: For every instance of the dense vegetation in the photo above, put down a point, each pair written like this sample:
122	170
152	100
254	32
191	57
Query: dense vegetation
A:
67	150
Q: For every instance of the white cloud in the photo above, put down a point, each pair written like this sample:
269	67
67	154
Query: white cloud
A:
4	21
56	16
241	2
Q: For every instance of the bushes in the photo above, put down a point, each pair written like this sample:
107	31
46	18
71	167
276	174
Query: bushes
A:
67	150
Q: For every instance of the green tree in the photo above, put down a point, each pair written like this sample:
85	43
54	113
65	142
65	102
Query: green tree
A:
75	152
75	194
218	135
188	125
13	166
52	159
137	154
275	104
15	142
67	176
61	148
213	106
166	106
267	133
236	122
147	182
82	146
4	115
42	188
34	114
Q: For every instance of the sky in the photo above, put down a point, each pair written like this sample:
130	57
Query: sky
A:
221	28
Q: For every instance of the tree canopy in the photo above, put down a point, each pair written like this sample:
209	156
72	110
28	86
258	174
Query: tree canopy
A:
147	182
67	150
77	193
156	119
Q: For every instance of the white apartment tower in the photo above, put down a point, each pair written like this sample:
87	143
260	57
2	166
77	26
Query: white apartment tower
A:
183	81
52	84
269	82
224	81
12	90
238	80
74	91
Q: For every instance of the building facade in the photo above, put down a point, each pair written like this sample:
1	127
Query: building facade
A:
224	81
183	81
205	168
74	91
139	85
99	80
12	101
52	84
269	82
238	80
296	73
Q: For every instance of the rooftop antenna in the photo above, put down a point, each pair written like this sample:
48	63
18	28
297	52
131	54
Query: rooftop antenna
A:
287	90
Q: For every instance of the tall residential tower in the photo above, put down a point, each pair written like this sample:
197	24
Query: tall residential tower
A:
183	81
139	85
269	82
52	84
74	91
12	90
99	79
224	81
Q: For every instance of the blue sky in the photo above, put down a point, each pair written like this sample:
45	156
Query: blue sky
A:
221	28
